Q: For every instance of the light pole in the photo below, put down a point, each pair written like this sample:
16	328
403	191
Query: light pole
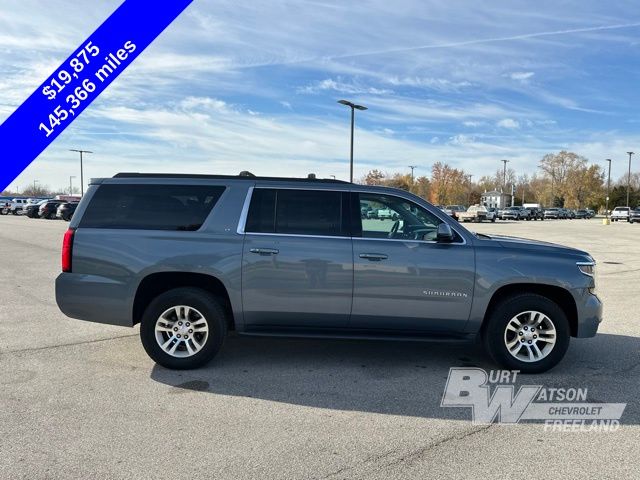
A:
353	107
81	172
412	167
34	187
469	177
71	177
629	178
553	194
606	207
504	174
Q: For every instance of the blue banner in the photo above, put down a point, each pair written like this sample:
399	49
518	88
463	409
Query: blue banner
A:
80	79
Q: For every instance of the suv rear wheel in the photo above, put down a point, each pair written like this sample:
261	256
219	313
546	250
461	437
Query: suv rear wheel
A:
527	332
183	328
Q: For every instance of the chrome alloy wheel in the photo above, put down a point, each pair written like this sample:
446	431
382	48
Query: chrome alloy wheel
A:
181	331
530	336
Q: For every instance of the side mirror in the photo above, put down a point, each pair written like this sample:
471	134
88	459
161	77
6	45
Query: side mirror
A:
444	233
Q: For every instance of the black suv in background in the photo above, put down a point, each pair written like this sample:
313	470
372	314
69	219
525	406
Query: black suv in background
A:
32	209
48	209
536	213
65	210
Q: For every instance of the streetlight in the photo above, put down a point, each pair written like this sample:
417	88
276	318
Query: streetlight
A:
71	177
81	172
34	187
606	208
412	167
504	174
629	177
353	107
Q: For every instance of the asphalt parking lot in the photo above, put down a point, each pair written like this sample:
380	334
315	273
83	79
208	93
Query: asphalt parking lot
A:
83	400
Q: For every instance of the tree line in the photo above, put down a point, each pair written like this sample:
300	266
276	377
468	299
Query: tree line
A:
564	179
39	191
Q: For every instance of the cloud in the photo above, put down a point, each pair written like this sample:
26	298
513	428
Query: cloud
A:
521	76
439	84
508	123
480	41
352	88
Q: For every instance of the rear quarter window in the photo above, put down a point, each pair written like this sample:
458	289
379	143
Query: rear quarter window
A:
151	207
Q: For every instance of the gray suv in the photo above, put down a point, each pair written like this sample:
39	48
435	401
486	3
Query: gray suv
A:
190	257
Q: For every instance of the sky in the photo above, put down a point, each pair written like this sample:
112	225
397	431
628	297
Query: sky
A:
234	86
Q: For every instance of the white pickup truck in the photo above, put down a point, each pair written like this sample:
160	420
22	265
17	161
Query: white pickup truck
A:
620	213
477	213
17	206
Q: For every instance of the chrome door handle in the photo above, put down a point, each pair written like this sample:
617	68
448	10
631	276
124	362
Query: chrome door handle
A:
265	251
374	257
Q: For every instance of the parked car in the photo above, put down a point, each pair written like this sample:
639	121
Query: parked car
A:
17	205
476	213
511	213
554	213
634	215
5	207
525	213
620	213
300	261
32	210
66	210
454	210
49	209
581	213
536	213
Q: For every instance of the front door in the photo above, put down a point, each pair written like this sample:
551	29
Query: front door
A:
403	278
297	262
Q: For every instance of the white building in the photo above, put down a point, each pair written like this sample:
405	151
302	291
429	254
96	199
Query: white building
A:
496	199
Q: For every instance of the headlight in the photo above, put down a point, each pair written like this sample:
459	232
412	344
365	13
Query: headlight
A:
589	268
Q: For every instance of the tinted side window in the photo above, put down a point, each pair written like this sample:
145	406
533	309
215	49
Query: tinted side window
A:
262	211
301	212
151	207
309	212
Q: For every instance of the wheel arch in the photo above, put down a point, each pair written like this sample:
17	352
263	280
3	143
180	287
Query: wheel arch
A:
561	296
157	283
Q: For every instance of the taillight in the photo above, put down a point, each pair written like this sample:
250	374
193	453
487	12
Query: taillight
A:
67	247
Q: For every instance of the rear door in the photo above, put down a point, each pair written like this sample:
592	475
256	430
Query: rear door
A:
297	262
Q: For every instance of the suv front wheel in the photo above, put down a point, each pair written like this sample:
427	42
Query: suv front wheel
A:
183	328
527	332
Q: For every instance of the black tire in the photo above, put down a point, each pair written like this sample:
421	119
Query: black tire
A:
494	332
204	302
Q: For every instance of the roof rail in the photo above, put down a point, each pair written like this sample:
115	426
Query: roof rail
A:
244	175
